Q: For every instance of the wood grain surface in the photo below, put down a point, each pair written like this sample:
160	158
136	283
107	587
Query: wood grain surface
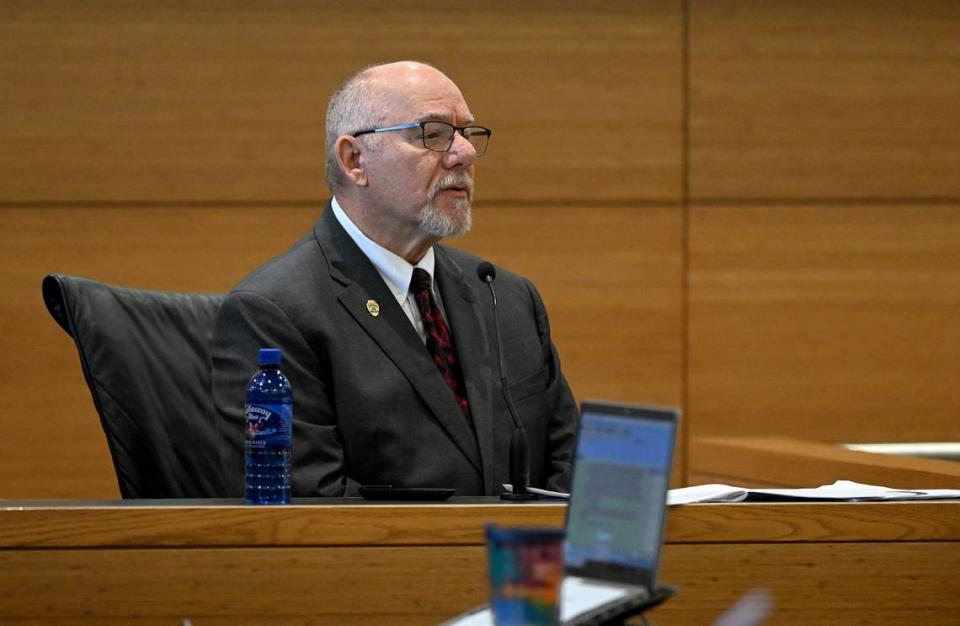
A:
823	583
114	100
33	524
815	583
783	462
835	564
824	99
825	322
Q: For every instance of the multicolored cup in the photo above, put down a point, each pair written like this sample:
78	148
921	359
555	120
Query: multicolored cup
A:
526	569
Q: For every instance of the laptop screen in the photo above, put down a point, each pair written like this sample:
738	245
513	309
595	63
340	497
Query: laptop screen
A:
617	509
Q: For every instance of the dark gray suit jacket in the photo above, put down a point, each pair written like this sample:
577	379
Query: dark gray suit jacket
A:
370	405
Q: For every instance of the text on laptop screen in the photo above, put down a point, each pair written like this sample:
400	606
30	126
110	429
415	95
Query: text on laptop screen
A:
622	466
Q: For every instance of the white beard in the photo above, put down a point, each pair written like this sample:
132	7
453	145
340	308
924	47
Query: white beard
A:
434	221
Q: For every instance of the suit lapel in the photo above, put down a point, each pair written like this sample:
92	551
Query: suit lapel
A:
391	330
462	303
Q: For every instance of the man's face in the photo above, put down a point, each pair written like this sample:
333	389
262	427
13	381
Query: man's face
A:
416	187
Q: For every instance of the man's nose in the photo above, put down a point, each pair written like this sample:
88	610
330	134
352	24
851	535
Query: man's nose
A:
461	152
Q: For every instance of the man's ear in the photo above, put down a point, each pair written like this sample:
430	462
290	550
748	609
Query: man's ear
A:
348	151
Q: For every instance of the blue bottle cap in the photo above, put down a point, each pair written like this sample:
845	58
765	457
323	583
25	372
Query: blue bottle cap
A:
269	356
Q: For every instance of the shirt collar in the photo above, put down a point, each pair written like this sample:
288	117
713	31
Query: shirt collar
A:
394	269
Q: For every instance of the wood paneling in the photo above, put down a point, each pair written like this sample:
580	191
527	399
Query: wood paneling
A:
782	462
121	100
824	99
821	583
824	319
815	583
611	280
369	584
617	297
349	521
829	323
832	564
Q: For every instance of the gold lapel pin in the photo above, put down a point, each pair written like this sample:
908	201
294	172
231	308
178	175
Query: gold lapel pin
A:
373	307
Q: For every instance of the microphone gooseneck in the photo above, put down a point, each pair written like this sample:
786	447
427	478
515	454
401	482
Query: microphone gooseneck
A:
519	463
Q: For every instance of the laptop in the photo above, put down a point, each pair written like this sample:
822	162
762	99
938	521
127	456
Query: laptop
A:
617	512
616	515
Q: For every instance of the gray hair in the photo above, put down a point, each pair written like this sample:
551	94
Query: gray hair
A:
355	105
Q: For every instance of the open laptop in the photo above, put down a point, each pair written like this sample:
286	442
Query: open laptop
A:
617	512
616	516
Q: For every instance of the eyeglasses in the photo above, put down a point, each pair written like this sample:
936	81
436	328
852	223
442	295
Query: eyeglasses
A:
438	136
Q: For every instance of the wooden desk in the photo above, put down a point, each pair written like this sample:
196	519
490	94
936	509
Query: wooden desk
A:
785	462
353	563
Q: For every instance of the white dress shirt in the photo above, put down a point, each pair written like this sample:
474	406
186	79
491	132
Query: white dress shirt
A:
395	270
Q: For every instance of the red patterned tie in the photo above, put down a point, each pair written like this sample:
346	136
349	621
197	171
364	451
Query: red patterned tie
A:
439	341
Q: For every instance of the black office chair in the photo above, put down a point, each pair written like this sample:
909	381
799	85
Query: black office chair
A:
146	358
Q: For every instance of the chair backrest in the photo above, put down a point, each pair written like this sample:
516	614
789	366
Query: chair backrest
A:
146	358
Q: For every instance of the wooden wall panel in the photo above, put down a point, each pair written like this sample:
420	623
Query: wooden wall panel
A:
626	345
837	564
813	583
824	99
354	586
792	463
835	584
830	323
610	278
121	100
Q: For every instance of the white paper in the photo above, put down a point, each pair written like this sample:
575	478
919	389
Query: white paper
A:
579	595
706	493
540	492
840	490
849	490
482	617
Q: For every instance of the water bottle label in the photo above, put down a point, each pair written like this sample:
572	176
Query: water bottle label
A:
269	425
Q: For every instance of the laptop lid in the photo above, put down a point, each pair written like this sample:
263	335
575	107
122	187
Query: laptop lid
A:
618	501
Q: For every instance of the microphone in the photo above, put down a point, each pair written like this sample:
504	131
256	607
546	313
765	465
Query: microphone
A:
519	464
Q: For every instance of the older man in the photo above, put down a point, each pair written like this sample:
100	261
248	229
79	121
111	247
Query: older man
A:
387	337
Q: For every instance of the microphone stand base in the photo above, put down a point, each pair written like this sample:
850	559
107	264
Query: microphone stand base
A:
519	497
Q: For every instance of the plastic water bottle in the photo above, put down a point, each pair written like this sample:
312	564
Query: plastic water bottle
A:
269	432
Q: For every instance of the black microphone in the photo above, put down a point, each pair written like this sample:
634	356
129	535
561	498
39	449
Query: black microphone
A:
519	464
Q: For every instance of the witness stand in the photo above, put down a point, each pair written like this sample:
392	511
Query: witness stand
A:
350	562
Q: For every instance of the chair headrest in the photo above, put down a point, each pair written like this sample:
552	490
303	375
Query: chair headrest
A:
55	299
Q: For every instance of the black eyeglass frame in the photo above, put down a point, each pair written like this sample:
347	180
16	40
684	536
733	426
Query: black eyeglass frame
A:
485	132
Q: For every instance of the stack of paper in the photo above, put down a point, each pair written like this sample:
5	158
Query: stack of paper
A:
842	490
